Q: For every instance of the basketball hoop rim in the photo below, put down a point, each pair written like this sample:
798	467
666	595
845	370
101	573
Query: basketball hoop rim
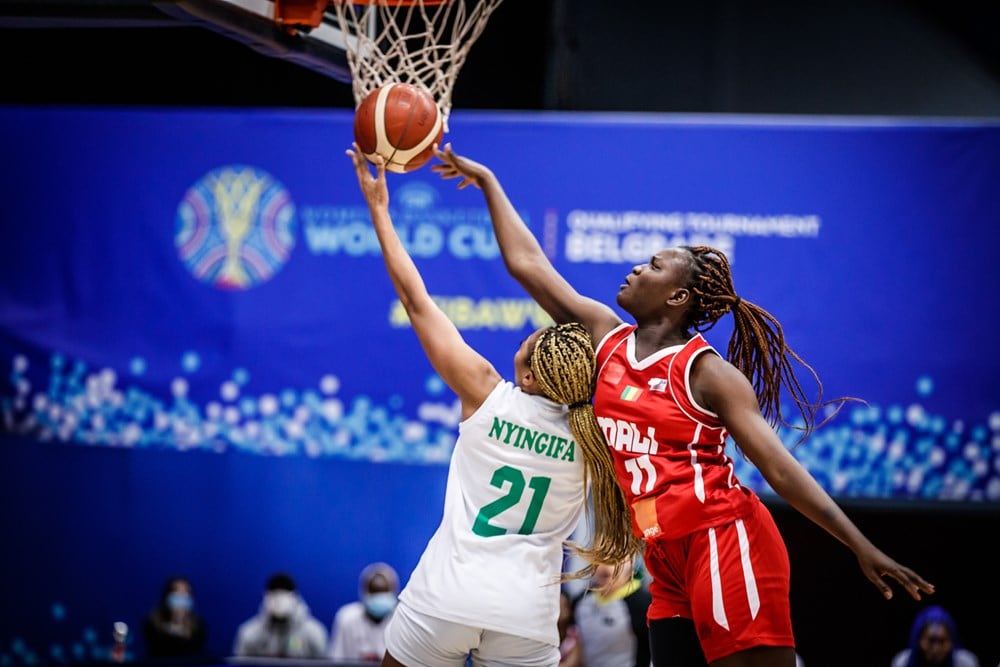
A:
389	3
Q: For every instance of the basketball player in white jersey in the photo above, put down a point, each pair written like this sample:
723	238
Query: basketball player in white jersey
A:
487	585
667	402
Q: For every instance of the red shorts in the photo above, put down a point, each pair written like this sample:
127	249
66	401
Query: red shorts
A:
731	580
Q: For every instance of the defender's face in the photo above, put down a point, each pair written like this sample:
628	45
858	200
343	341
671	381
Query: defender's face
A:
647	288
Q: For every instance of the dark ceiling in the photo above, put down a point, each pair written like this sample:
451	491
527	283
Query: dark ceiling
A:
129	53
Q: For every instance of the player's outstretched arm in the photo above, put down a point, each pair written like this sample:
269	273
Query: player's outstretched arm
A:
721	387
470	375
522	254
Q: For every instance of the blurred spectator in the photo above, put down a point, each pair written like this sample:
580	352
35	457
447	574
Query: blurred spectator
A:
611	619
283	627
358	631
934	641
173	629
569	645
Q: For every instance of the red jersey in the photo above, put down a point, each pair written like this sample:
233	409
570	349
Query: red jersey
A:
669	452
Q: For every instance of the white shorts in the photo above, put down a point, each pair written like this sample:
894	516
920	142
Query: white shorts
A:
420	640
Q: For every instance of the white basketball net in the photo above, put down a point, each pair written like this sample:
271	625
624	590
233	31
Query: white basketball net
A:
417	42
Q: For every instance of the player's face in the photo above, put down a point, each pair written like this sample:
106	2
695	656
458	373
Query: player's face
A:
523	354
647	288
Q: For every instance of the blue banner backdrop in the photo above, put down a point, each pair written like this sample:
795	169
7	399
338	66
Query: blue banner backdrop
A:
207	370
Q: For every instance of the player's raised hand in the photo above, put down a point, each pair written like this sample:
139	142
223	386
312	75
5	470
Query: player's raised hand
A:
456	166
372	187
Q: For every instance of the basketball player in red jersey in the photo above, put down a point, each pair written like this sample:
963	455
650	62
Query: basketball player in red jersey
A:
667	401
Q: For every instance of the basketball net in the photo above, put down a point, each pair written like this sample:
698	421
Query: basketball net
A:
421	42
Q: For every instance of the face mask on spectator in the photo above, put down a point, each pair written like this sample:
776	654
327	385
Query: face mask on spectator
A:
179	602
378	605
279	604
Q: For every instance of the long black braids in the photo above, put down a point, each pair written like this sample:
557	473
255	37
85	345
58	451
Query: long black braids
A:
757	346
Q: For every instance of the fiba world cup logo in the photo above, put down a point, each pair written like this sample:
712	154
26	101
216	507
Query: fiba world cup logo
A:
235	227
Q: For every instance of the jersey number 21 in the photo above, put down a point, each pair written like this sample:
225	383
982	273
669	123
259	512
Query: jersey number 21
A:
514	480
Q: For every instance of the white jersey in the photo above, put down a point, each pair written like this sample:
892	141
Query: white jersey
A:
514	495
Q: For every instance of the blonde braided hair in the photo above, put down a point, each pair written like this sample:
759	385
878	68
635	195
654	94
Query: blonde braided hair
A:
564	365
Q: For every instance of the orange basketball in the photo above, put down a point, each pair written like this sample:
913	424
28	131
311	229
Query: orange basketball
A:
402	123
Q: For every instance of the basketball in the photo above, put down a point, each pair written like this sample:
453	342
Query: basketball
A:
402	123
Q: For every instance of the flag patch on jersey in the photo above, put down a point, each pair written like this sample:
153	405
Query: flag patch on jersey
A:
613	373
658	384
631	393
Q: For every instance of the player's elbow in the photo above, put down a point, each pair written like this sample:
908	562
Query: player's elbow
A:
526	265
